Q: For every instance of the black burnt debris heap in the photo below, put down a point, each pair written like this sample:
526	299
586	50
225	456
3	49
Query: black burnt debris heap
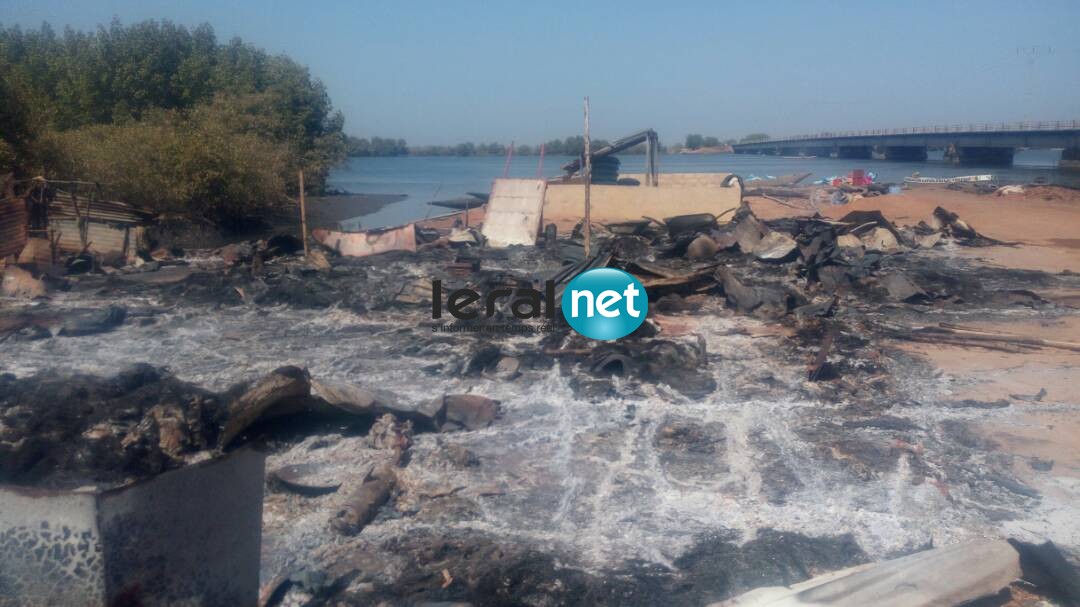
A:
60	429
828	281
69	429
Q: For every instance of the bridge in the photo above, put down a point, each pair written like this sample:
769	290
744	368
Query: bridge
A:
976	144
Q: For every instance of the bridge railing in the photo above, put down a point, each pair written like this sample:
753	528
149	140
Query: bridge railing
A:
984	127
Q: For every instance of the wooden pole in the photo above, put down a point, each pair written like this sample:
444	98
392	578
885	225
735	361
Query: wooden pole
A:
303	215
509	157
653	152
648	161
588	182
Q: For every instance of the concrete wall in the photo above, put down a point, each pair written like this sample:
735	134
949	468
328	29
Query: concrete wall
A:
682	179
564	205
50	548
187	537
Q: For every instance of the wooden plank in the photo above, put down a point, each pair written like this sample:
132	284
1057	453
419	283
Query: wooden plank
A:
303	215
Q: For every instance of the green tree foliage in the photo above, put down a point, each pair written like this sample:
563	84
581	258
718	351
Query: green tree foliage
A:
376	146
121	77
571	146
754	137
554	148
19	123
180	163
695	142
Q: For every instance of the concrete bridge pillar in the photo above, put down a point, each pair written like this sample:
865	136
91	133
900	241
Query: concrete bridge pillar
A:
789	151
951	154
906	153
861	152
986	156
1070	159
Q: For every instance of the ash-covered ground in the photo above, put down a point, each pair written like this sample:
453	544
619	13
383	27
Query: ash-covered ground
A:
687	463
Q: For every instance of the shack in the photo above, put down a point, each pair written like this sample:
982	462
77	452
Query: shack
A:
45	222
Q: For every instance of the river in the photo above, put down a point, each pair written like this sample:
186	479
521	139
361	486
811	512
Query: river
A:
425	178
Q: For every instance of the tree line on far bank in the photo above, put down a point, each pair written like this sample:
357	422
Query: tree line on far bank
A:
379	146
165	117
570	146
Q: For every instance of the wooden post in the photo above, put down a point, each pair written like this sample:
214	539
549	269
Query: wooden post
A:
588	182
648	160
509	157
303	215
656	160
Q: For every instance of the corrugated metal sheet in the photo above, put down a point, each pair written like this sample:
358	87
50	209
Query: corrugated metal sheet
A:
12	226
101	237
513	212
65	205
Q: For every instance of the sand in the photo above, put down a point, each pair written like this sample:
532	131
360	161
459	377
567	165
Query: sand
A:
1046	220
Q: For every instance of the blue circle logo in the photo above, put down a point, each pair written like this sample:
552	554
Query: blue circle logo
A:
605	303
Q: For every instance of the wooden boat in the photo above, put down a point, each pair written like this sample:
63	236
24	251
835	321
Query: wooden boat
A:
783	180
459	204
945	180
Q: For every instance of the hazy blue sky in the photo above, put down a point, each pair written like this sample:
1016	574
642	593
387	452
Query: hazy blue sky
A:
442	72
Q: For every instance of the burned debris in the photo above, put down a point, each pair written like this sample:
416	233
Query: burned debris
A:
481	460
77	429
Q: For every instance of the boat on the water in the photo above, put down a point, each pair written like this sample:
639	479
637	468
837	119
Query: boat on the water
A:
916	179
798	157
461	203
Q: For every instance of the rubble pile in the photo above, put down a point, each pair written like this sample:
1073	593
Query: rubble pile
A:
760	428
69	429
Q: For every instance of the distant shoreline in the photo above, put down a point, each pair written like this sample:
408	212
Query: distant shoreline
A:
707	151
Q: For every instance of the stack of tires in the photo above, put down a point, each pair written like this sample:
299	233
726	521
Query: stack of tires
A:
605	170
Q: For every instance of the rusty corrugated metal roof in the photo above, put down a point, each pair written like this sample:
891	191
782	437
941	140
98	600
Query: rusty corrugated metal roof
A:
63	205
12	226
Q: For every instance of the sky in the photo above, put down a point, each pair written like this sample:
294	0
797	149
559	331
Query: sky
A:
442	72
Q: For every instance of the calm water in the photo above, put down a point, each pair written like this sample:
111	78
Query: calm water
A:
423	179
